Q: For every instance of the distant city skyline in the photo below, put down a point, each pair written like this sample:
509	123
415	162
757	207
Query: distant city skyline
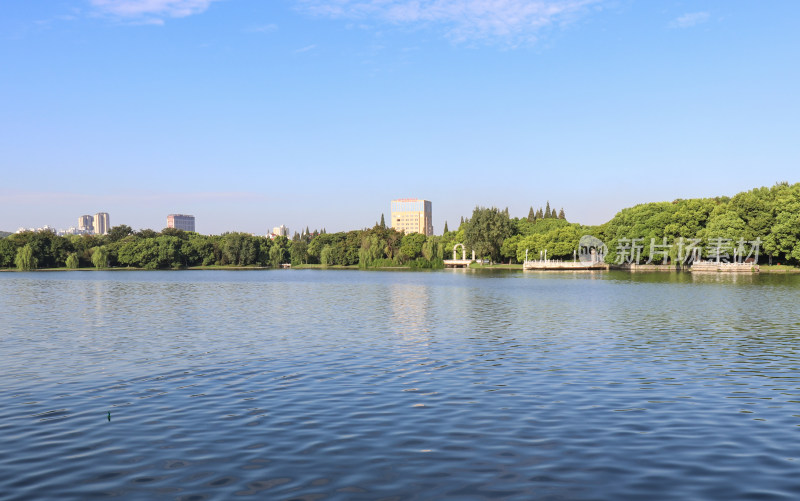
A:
98	224
314	113
132	215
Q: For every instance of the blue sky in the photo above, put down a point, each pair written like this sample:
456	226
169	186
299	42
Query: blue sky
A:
251	113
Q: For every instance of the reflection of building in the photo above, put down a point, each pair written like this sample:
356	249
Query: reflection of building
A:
86	224
280	231
183	222
101	223
409	306
412	215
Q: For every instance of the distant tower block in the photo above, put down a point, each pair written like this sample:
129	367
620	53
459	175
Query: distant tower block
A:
280	231
102	223
183	222
412	215
86	224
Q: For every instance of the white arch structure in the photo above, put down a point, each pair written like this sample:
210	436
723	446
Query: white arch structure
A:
463	251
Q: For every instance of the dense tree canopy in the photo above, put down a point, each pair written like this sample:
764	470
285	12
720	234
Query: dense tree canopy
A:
768	215
173	248
486	230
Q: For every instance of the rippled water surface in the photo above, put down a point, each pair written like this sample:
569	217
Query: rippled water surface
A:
378	385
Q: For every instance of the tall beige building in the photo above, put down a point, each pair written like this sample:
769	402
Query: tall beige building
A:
412	215
101	223
86	224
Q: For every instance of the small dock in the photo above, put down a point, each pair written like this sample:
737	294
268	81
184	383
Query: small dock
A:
458	263
550	265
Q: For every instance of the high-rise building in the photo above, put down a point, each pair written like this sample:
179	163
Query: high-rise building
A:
86	224
412	215
280	231
102	223
183	222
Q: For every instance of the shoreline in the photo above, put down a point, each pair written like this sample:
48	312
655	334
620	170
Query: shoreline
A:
765	269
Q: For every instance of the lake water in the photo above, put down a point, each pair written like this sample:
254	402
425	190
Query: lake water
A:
395	385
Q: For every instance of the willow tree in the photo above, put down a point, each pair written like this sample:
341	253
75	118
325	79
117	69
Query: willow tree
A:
326	256
25	260
277	256
72	261
100	257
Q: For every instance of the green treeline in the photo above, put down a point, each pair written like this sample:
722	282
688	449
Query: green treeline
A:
494	235
176	249
770	215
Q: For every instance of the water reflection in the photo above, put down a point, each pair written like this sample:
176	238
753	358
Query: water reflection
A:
410	305
724	278
465	384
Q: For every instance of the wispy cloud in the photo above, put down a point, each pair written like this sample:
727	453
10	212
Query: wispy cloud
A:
151	11
514	21
690	19
306	48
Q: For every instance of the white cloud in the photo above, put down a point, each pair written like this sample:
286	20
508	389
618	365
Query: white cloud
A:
509	20
151	11
690	19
